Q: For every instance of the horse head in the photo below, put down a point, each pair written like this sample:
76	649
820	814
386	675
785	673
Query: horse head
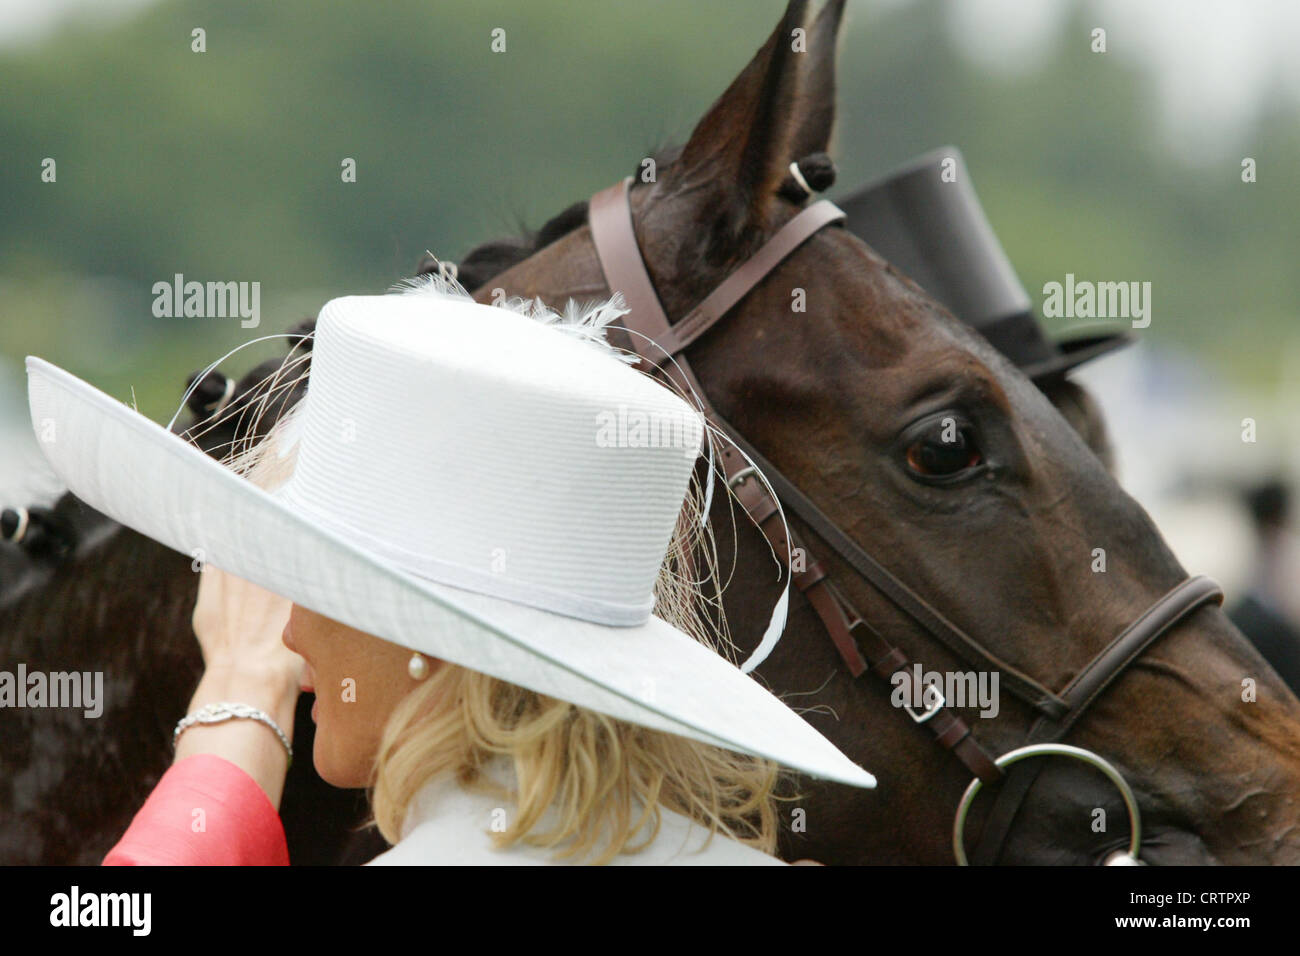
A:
935	455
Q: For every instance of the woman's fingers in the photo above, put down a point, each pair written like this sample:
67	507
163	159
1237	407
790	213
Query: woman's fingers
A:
240	625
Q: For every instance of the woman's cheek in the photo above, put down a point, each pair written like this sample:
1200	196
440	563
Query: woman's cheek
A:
343	715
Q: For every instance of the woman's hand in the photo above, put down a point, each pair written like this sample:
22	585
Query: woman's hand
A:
239	627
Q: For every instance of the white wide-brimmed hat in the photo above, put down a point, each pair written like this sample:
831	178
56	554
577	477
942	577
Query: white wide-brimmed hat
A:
470	482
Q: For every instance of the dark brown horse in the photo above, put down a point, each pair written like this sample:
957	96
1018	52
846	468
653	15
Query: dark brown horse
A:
846	399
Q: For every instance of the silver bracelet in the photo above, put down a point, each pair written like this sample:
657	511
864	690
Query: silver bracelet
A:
228	710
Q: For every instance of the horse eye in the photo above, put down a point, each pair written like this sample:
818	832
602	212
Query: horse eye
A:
944	449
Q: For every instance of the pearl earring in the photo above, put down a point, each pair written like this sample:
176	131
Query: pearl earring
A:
417	667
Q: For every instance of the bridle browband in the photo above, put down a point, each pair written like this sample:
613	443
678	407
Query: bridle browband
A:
660	342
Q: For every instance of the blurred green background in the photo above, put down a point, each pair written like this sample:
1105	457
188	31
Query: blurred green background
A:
225	165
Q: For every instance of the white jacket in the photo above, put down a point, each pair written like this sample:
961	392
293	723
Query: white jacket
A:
449	825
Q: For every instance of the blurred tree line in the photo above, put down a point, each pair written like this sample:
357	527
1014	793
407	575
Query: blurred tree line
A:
225	165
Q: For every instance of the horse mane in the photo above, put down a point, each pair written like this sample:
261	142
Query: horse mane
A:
489	259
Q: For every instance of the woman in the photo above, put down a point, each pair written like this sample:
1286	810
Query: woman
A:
470	512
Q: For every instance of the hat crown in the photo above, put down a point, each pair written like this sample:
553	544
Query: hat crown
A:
477	447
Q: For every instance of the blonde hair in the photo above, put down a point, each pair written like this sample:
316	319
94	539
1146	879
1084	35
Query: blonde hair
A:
605	781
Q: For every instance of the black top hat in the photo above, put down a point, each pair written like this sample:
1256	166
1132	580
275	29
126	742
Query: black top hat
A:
932	228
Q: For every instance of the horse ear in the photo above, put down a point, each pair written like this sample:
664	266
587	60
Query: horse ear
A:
779	109
816	117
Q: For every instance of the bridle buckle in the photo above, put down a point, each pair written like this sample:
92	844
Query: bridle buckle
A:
740	477
927	710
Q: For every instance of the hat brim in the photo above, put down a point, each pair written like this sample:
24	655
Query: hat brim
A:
1076	350
142	475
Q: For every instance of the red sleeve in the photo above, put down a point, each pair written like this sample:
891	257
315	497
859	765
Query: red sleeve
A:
205	811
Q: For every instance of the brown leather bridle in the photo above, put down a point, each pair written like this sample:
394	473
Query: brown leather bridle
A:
660	343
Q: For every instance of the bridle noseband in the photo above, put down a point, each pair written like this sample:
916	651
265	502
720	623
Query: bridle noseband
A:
659	343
